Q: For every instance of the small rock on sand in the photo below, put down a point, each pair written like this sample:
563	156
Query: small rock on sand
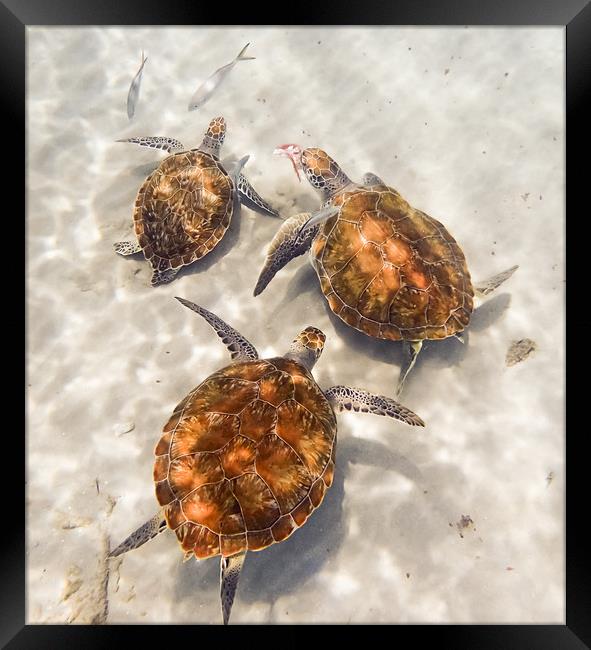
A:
519	351
73	582
90	604
463	523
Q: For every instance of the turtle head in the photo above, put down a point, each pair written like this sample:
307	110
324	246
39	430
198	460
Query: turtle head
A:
307	347
214	136
323	173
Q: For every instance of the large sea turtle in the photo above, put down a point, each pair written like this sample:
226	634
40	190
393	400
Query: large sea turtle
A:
184	207
386	268
248	454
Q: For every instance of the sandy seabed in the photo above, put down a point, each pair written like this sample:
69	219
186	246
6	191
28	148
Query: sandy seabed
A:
460	522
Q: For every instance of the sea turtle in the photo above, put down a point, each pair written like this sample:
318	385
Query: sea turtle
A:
386	268
184	207
248	454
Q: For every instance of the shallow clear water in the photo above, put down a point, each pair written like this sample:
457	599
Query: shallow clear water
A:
468	124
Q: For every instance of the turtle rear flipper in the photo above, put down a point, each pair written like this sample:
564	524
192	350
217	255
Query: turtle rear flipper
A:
230	568
143	534
410	353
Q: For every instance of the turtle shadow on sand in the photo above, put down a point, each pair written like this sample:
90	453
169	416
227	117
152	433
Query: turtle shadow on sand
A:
226	244
118	198
301	202
489	312
304	281
448	352
283	568
141	172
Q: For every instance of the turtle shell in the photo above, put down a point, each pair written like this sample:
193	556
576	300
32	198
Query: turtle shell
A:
183	209
245	458
391	271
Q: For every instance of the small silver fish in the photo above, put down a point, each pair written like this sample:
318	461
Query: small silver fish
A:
211	84
134	89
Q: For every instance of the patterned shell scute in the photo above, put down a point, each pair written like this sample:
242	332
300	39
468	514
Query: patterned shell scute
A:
183	209
392	271
245	458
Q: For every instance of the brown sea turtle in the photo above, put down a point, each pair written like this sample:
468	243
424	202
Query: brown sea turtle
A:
386	268
184	207
248	454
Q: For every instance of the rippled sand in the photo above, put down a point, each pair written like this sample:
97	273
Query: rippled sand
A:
468	124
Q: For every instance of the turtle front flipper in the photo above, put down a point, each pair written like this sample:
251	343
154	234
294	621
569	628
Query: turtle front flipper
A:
246	193
252	199
143	534
127	248
230	568
169	145
410	353
289	242
354	399
370	179
240	348
237	171
324	214
489	285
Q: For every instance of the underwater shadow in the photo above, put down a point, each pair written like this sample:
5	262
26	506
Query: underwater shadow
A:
489	312
284	567
446	353
304	281
451	352
143	171
303	202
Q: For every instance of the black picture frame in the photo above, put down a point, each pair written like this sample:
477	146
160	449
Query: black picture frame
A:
575	16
